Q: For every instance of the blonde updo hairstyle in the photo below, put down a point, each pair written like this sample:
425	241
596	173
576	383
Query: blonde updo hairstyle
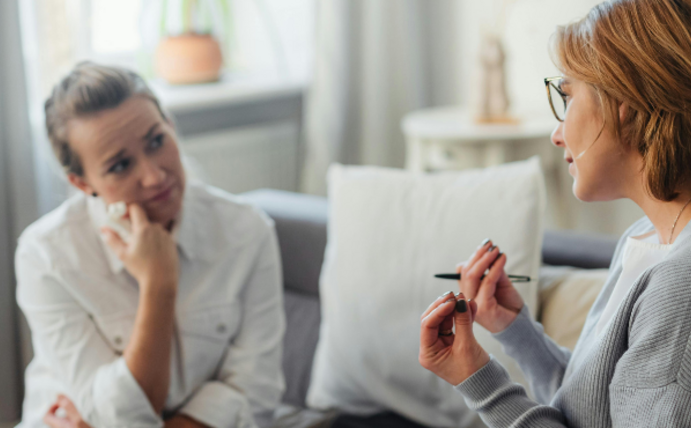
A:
639	52
88	89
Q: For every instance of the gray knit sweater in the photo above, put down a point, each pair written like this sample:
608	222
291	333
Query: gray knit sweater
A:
635	373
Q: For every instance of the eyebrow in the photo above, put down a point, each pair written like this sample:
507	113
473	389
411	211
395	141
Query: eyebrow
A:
115	157
150	133
122	152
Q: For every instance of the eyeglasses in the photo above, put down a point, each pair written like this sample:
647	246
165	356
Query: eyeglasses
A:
557	97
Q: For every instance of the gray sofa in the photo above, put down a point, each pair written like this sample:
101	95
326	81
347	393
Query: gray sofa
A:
301	227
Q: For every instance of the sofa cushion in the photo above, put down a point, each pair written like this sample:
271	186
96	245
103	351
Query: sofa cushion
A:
565	301
389	232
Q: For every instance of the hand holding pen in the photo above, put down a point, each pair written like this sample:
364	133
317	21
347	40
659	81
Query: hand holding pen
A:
482	278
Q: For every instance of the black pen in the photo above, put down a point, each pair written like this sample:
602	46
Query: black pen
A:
457	276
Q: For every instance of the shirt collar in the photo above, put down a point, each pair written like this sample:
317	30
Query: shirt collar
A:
183	231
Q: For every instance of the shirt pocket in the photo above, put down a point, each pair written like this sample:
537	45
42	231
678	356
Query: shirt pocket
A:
206	332
116	331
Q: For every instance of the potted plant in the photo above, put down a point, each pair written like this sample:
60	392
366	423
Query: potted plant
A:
189	50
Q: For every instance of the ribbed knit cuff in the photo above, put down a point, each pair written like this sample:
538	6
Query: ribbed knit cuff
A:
484	382
515	334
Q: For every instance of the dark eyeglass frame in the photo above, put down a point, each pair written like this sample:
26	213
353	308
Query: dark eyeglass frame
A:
549	81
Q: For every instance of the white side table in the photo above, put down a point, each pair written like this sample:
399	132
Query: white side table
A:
448	138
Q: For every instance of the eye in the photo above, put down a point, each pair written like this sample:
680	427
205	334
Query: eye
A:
156	142
119	166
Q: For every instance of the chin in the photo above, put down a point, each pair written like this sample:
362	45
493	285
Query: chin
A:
590	193
164	214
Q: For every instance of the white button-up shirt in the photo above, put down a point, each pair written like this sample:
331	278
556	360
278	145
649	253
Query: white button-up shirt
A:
81	305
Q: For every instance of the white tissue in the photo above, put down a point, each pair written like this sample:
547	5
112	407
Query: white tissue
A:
117	220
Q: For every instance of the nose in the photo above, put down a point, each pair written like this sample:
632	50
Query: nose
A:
558	135
152	174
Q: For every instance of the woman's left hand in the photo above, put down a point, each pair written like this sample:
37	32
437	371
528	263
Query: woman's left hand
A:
453	356
71	419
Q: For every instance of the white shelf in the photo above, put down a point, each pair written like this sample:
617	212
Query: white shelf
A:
453	123
231	89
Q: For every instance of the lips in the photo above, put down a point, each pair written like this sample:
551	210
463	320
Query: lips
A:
163	195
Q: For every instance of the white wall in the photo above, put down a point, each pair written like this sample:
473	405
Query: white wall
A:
529	25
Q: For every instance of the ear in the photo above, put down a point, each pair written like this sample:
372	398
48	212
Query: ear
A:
80	183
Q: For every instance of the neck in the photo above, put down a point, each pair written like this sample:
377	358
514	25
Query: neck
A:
663	214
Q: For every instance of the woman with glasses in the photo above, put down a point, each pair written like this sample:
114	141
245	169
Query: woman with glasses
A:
624	111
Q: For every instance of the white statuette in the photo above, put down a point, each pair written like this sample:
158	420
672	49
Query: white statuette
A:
117	222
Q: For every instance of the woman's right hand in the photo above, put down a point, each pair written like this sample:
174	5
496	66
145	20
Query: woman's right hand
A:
150	256
498	301
71	417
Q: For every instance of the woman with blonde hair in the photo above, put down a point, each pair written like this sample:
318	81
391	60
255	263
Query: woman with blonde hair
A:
624	107
176	322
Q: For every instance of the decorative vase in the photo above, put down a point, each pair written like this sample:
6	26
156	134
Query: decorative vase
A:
189	58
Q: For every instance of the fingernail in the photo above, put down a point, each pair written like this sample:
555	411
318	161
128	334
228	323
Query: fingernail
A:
491	248
445	294
500	254
485	242
461	306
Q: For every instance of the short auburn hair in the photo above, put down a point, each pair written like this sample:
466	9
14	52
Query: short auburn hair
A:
639	52
88	89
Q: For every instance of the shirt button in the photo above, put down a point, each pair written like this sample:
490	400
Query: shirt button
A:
118	340
221	328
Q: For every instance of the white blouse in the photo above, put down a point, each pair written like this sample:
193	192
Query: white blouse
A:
81	305
640	253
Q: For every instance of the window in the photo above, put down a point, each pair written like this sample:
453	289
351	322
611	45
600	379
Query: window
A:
264	37
114	26
258	36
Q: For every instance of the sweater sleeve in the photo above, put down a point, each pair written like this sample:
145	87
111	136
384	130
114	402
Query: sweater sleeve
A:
503	403
649	351
651	385
542	361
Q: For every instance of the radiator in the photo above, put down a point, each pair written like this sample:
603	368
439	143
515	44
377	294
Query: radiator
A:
242	159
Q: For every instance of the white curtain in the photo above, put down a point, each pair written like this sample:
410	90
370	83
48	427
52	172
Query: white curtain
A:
17	200
375	61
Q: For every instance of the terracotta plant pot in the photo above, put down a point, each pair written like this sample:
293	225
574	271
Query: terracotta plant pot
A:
189	58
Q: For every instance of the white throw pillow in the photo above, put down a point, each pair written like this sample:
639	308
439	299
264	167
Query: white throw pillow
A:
389	232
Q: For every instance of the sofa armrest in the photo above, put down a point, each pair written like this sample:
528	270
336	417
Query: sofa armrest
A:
301	228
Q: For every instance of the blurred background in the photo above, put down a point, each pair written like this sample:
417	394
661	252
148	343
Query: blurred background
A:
268	93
